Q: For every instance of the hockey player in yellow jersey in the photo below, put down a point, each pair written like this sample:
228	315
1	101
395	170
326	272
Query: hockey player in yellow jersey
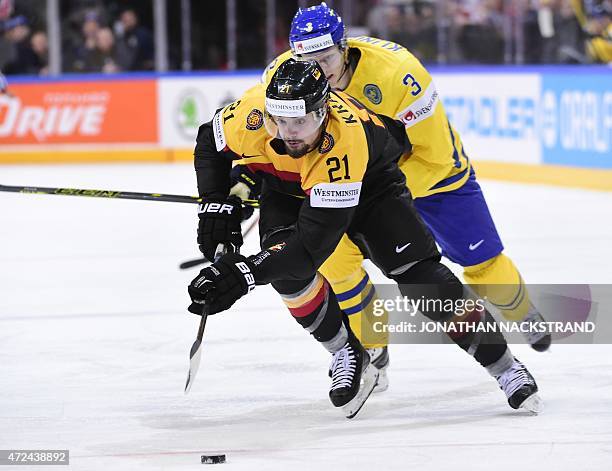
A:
389	80
329	168
595	18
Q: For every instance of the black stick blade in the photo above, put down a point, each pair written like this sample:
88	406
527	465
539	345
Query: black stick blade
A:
196	350
194	363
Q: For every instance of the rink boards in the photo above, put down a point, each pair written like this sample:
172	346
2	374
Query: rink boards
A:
512	120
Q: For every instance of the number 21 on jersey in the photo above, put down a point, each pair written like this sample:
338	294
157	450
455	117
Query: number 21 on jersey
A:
337	169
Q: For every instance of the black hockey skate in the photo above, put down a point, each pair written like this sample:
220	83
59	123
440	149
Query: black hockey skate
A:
539	341
379	357
520	388
353	378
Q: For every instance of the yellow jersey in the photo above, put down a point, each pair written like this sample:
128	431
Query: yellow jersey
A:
599	46
353	140
391	81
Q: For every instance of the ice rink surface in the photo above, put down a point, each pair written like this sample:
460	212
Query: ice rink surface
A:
95	339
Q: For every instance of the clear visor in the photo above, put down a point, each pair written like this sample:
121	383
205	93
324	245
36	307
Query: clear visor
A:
296	128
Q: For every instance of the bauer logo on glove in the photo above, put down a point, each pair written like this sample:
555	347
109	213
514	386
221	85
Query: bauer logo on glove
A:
219	223
221	284
216	208
248	276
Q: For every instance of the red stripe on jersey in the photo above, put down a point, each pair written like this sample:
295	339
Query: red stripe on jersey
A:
311	305
269	168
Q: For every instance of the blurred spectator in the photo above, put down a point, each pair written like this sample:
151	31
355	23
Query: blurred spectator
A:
376	20
3	84
136	40
401	23
552	33
86	42
480	34
106	57
81	21
424	41
411	23
22	59
570	48
40	47
595	18
6	8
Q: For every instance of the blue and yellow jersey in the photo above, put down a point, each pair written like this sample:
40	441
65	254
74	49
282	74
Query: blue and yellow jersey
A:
389	80
598	46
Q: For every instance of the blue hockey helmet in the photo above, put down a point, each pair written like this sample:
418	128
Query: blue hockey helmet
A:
316	28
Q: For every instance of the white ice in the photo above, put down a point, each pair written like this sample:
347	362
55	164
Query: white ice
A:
95	338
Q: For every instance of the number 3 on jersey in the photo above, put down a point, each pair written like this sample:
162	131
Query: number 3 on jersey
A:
335	169
415	88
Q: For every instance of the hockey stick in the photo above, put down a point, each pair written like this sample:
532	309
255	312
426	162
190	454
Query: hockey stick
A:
196	349
198	261
112	194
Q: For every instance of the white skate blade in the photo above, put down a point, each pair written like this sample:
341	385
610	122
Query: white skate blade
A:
369	378
383	382
533	404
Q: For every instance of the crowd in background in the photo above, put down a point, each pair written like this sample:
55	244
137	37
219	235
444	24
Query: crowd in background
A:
107	40
97	36
110	36
24	44
493	31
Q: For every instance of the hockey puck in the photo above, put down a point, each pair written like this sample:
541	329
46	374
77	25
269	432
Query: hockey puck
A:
213	459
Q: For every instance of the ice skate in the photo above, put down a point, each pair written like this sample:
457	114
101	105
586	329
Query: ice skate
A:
379	357
520	388
539	341
353	378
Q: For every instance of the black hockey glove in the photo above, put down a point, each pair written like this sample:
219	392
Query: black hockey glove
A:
245	185
219	224
221	284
